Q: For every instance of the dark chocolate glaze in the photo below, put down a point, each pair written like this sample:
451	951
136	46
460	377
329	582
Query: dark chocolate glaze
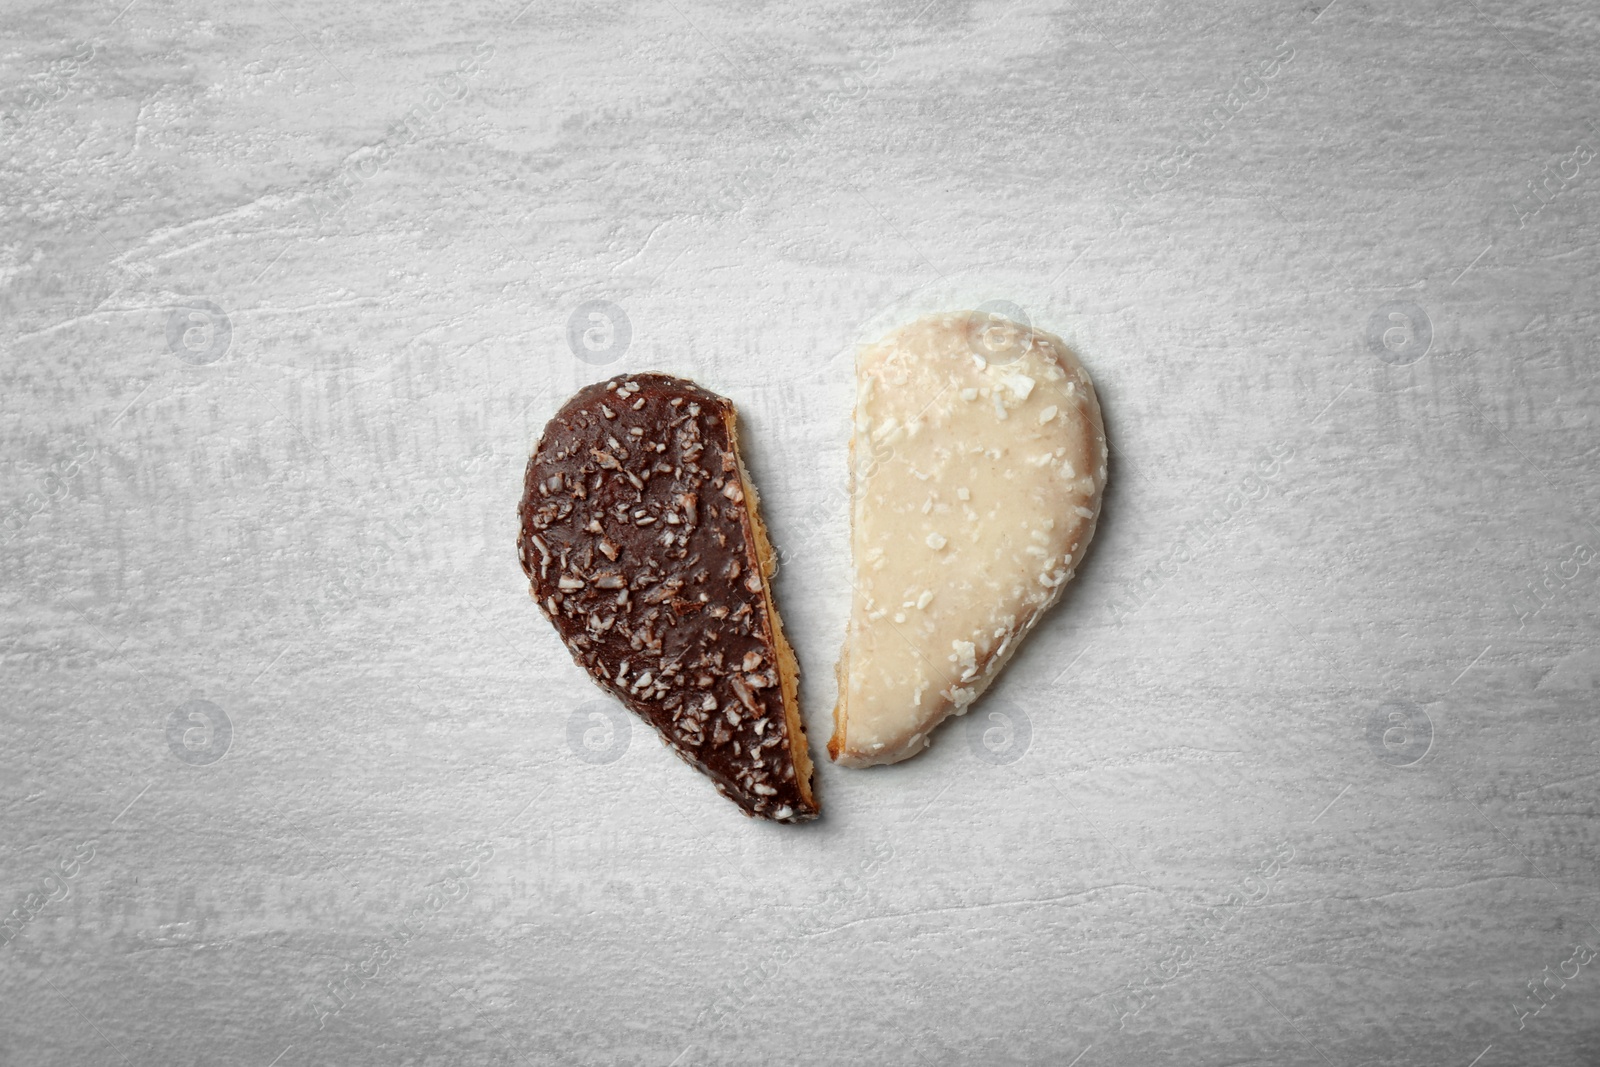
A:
641	548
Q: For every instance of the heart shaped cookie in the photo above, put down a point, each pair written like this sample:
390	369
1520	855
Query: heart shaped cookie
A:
642	542
978	459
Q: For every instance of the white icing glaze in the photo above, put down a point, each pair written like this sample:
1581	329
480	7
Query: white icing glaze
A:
969	515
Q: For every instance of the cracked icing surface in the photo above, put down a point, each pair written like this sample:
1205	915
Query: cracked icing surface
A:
642	541
978	459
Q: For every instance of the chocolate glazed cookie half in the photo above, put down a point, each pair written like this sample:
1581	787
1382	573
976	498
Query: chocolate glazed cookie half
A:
643	543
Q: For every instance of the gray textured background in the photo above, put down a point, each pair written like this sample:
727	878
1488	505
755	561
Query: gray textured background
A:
292	771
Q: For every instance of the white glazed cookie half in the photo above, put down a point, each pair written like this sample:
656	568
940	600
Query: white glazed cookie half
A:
978	459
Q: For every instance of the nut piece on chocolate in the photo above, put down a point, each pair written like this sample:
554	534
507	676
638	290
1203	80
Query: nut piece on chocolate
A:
642	539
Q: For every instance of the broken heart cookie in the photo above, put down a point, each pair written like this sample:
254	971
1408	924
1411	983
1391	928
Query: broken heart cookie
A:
978	458
643	544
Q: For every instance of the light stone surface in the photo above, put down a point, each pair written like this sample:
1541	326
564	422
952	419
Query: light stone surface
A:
1301	771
